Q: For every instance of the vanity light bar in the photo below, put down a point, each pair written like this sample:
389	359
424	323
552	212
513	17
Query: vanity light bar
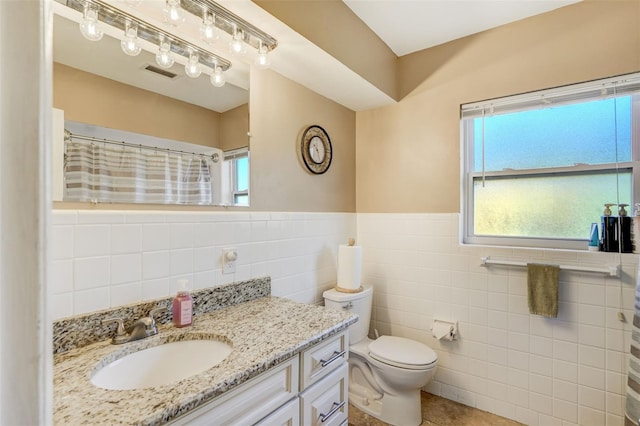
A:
228	21
150	33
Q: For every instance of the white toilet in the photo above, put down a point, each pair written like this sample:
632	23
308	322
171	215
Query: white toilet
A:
386	374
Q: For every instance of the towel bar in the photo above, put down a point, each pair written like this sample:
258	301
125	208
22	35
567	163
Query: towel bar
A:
612	270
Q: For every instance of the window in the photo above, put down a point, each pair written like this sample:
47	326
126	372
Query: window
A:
236	175
538	168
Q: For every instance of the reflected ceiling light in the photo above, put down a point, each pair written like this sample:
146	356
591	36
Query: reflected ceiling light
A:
163	57
236	45
263	60
208	31
130	43
217	78
193	68
215	19
89	27
173	13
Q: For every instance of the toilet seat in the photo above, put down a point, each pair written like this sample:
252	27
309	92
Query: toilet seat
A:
402	353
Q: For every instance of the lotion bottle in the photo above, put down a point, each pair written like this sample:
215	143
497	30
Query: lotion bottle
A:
182	306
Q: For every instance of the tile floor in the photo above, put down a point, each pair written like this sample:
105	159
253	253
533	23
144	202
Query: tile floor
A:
437	411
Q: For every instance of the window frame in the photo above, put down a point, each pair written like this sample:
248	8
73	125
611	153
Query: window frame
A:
511	105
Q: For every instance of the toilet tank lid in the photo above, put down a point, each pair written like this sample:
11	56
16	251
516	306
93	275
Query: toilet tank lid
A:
338	296
400	351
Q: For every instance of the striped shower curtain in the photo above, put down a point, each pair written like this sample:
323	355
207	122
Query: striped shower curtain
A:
632	409
123	174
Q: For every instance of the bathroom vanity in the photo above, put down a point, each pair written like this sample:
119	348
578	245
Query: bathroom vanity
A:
309	387
288	366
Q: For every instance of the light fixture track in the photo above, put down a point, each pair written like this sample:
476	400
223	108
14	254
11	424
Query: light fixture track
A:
228	21
148	32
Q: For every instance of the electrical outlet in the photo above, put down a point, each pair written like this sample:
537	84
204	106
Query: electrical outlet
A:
229	257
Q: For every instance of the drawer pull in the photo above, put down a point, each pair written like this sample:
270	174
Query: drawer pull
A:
334	408
336	355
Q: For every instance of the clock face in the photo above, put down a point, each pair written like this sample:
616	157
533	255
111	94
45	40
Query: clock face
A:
316	149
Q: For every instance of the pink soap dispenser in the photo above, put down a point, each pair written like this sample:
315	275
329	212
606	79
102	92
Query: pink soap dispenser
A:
182	306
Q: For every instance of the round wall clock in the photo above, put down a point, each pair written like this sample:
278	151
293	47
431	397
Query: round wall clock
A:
316	149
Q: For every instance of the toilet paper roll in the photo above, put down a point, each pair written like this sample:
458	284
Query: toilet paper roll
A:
349	266
442	330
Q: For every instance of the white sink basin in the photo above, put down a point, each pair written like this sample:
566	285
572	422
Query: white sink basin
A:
161	365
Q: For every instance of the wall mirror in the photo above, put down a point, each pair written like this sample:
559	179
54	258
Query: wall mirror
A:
103	97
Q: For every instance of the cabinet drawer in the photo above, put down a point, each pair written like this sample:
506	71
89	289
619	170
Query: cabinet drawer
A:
325	403
251	401
323	358
287	415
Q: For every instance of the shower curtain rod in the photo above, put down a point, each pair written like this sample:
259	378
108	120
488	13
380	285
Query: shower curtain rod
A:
69	136
612	270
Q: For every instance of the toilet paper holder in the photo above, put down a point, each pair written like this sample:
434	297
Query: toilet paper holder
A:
444	330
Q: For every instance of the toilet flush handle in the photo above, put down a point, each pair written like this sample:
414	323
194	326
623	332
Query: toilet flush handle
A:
347	306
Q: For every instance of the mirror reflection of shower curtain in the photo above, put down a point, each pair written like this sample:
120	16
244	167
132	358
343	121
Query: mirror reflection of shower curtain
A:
106	173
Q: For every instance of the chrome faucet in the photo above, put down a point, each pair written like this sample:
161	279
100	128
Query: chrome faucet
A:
142	328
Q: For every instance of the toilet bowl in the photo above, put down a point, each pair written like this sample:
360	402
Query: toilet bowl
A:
386	374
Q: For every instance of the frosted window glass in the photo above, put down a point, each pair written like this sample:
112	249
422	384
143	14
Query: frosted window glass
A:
555	136
546	207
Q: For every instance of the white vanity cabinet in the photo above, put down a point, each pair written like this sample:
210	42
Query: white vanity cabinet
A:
324	382
250	402
308	389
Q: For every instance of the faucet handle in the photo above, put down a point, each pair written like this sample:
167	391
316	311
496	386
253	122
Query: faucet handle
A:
154	311
121	334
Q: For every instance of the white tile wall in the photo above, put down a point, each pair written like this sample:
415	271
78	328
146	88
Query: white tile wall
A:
539	371
105	259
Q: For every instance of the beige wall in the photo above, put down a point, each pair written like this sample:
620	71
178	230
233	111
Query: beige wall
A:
280	112
120	106
333	27
408	155
234	125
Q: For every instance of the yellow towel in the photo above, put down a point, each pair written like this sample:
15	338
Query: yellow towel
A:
542	289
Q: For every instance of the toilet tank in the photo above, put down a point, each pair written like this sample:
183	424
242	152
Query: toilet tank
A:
358	303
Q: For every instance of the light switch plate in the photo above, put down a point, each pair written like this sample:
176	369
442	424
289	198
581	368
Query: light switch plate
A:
229	257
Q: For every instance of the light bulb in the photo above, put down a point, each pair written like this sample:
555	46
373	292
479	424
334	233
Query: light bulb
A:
208	30
130	44
192	68
173	13
236	45
163	57
263	60
217	78
89	27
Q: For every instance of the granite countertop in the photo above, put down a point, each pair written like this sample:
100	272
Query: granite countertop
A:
263	332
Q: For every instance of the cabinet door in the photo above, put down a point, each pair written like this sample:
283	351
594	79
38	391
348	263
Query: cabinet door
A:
251	401
323	358
325	403
287	415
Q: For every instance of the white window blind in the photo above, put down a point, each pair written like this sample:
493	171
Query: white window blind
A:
598	89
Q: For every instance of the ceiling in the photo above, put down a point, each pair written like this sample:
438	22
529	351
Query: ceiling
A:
407	26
